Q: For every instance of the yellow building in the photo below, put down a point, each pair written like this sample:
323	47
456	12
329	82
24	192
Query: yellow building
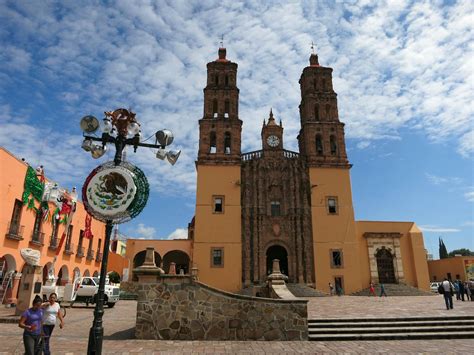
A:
297	207
455	268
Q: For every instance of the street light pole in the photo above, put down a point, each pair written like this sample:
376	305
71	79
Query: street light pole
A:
124	122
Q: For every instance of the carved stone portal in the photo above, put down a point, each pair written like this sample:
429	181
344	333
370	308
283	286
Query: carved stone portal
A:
383	248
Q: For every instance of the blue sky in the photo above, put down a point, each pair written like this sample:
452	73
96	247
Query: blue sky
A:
403	72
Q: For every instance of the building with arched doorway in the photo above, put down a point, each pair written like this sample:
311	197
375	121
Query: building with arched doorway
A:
22	226
273	203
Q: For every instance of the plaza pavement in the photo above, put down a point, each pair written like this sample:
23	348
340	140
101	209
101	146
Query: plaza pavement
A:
119	323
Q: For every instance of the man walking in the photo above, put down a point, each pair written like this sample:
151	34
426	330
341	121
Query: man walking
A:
382	290
448	293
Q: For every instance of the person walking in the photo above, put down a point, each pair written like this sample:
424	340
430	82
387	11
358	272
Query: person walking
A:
52	312
382	290
448	290
331	289
30	321
468	291
456	289
461	290
372	290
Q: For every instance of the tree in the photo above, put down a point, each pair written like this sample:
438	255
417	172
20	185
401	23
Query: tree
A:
443	252
462	251
114	277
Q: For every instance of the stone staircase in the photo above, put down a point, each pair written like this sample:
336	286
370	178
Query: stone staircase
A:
301	290
455	327
395	290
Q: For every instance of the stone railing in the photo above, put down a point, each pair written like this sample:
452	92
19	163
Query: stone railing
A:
179	307
252	155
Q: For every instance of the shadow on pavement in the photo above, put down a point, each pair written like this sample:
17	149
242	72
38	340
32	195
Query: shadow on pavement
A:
122	335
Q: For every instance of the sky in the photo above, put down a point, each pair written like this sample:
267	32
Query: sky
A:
403	72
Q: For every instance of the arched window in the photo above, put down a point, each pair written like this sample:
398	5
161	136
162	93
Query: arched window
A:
316	112
319	145
216	79
214	108
226	108
227	142
328	111
333	144
212	144
226	80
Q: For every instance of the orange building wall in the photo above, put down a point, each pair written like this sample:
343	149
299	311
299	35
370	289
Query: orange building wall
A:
12	175
455	266
162	247
415	267
334	231
221	230
117	263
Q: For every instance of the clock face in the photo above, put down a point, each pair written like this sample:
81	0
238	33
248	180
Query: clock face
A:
273	141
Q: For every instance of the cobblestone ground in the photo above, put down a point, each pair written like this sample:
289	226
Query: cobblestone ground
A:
119	323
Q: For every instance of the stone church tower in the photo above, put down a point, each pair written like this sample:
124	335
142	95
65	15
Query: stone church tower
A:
217	248
322	146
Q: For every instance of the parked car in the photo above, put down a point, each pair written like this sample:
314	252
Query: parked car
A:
434	286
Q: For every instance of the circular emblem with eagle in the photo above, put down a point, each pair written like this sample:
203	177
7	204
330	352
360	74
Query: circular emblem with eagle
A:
115	193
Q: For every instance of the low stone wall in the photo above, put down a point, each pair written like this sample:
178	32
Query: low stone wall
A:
176	307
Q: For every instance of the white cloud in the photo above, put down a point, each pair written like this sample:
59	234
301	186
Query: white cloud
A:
397	65
441	180
437	229
144	232
179	233
469	196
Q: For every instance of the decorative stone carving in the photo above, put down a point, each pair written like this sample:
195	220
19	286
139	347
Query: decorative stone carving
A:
32	257
391	242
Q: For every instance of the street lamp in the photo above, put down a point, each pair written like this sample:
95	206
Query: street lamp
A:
117	191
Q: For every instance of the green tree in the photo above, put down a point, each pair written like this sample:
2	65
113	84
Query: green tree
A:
443	252
114	277
462	251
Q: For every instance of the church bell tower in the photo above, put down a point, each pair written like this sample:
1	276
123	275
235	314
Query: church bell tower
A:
322	146
217	235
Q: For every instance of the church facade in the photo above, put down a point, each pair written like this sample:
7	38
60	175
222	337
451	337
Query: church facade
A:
253	207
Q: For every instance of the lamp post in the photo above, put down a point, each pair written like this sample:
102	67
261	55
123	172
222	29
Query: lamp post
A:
116	191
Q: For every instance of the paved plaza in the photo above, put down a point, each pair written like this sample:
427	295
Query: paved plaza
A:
119	323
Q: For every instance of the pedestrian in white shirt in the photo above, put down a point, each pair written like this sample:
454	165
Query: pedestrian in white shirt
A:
448	288
51	313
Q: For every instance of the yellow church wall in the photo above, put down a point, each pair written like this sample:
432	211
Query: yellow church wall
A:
334	231
218	230
412	249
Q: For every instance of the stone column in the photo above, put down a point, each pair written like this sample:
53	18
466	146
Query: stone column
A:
172	270
32	281
148	272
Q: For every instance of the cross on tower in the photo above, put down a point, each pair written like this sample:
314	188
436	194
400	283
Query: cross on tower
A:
312	47
222	41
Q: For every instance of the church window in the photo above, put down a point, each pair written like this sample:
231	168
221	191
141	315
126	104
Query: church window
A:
226	80
212	144
217	257
214	107
336	258
332	205
218	204
275	208
316	112
319	145
216	79
333	144
328	112
227	143
226	108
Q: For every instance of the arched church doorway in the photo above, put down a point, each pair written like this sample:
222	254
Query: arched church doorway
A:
280	253
385	266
